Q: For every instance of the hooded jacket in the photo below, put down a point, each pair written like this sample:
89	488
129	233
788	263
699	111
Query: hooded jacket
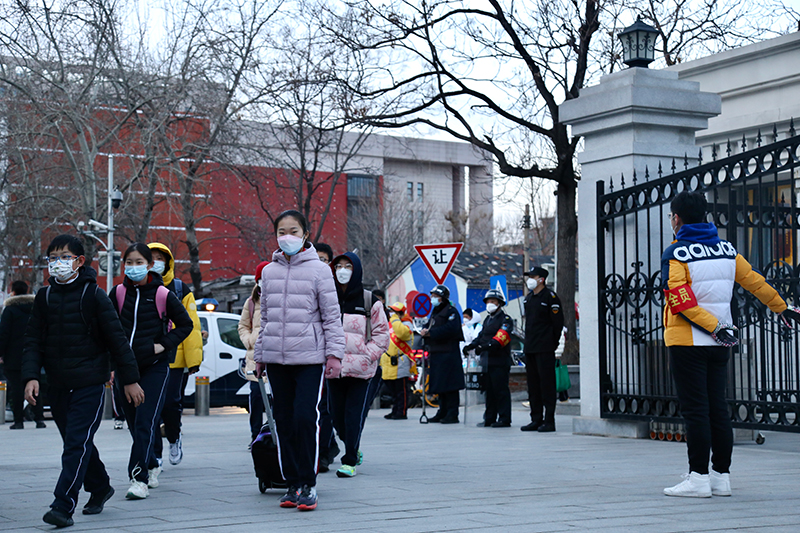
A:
249	327
699	270
360	356
300	321
71	333
16	313
142	325
190	351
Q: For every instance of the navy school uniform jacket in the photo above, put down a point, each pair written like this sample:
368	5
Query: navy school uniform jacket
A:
144	328
75	334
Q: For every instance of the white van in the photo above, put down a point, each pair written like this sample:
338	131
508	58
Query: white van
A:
223	361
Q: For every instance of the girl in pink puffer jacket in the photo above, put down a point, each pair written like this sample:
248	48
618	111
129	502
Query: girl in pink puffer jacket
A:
348	395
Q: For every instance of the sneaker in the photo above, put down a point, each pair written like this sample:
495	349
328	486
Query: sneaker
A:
533	426
720	483
17	425
176	451
118	424
138	490
346	471
97	501
152	477
694	485
307	501
289	500
360	458
40	424
58	518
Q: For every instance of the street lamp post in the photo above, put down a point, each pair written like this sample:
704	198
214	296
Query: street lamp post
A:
638	44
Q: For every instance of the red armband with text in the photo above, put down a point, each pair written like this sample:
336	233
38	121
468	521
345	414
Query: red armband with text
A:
680	298
502	337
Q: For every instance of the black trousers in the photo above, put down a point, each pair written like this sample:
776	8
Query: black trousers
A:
540	369
448	404
143	420
296	390
701	375
348	399
498	395
256	405
326	437
16	395
78	413
399	389
374	386
173	409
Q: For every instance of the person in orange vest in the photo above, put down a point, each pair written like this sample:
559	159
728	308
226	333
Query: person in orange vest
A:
397	363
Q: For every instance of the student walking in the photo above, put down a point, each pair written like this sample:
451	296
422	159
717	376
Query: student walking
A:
366	338
146	309
74	333
699	270
301	340
188	357
249	326
397	363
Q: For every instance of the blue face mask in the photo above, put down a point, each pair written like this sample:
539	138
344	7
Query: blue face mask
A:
136	272
435	301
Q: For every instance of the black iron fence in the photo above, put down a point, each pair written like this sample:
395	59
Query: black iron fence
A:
753	200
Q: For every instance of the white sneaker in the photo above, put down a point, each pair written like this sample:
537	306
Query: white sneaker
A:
138	491
152	477
176	451
118	424
720	483
694	485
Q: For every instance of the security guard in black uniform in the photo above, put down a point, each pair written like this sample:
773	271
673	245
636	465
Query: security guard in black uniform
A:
544	321
442	336
494	346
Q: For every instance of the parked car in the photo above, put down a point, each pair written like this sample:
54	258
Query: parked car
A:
223	361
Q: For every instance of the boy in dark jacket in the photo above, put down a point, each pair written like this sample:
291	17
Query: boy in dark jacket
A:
15	318
73	333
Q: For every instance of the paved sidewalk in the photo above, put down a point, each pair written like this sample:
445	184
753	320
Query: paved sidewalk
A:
418	478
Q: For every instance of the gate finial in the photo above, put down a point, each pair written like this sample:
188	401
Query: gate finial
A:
791	127
744	143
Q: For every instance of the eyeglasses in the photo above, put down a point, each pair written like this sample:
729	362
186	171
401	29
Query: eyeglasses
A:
669	216
340	266
64	257
326	261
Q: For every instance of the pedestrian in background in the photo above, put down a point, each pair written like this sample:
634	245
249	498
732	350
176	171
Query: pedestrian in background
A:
188	357
300	342
494	347
154	346
366	338
16	313
74	333
397	363
443	336
544	320
249	326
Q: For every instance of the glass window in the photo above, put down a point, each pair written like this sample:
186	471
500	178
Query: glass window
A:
419	192
410	191
229	332
204	329
360	186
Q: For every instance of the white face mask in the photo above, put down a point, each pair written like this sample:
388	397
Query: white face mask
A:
344	275
491	308
532	283
61	270
435	301
158	267
290	244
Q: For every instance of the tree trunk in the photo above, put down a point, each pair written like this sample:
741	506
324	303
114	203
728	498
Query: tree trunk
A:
187	206
565	269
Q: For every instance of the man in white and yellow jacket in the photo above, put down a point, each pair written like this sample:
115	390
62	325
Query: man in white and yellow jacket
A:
699	271
397	363
187	359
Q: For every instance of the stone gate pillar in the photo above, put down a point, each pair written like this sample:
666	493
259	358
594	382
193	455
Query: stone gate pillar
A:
631	120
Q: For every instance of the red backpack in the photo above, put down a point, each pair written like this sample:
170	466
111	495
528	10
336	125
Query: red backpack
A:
161	301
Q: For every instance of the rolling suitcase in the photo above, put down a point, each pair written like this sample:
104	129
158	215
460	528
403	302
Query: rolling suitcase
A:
265	450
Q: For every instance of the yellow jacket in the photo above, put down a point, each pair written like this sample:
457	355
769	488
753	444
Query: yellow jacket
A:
190	351
405	367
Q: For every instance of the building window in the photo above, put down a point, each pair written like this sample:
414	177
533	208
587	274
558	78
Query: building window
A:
419	192
410	191
360	186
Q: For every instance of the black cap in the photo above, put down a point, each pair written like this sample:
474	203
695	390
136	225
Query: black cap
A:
538	271
442	291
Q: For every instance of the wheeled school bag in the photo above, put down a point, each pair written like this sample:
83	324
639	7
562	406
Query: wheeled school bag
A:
264	449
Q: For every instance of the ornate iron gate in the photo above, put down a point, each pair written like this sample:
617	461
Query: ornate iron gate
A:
753	200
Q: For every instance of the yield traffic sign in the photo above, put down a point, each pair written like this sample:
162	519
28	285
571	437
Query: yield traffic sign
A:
439	258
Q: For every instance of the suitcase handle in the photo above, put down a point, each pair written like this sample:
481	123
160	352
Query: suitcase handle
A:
268	408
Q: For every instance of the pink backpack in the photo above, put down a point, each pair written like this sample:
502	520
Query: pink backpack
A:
161	301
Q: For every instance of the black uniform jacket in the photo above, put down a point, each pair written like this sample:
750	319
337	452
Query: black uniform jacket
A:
544	321
13	323
73	335
495	340
144	328
445	334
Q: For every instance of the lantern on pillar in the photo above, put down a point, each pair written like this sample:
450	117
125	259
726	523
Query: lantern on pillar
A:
638	44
